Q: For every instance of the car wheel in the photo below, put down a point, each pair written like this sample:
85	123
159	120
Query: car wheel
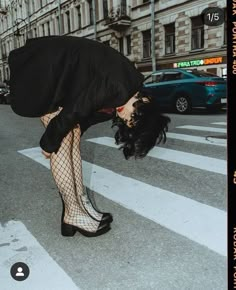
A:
182	104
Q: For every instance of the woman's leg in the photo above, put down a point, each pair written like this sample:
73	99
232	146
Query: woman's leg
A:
62	171
77	169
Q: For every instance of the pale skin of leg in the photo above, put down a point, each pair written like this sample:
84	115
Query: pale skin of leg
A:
70	149
77	168
63	173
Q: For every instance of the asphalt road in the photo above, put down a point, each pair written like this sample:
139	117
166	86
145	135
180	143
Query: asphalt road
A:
169	209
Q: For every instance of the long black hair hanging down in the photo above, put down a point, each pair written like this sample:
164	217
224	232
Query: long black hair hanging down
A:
149	128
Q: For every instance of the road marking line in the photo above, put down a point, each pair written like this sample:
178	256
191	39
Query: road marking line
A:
35	153
184	158
197	139
45	273
203	128
200	223
219	123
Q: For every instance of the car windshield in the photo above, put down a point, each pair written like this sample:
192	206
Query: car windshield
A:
201	73
153	78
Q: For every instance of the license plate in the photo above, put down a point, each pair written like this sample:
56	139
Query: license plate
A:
223	101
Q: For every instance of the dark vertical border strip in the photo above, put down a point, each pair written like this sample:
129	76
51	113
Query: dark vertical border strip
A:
231	112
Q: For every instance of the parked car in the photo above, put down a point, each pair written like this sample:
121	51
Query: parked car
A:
184	89
4	94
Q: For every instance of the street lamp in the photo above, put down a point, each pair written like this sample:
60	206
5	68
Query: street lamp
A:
152	7
10	8
17	33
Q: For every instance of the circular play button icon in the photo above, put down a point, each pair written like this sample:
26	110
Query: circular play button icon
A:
20	271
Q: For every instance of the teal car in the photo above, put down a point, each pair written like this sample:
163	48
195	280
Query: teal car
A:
184	89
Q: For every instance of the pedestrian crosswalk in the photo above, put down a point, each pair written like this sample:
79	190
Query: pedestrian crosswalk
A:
219	123
197	139
203	128
199	222
18	244
193	160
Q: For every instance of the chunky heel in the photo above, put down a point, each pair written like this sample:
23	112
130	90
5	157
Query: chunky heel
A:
67	230
70	230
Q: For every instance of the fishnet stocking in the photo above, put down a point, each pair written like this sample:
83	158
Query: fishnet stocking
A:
64	176
77	169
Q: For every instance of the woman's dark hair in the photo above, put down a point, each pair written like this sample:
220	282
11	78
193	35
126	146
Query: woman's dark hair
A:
149	128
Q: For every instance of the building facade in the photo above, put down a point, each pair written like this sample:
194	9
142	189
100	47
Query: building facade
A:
180	37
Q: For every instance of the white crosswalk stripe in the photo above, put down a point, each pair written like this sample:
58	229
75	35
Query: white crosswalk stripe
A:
197	139
219	123
189	159
175	212
203	128
18	244
196	221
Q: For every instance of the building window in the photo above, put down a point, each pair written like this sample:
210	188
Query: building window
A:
48	28
24	37
170	38
105	9
78	9
58	24
8	73
43	30
90	2
147	43
8	46
128	43
4	49
121	44
33	6
20	10
68	21
145	1
197	33
15	15
35	32
123	5
41	3
62	24
225	27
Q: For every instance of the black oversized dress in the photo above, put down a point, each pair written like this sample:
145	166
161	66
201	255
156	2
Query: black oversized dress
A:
81	75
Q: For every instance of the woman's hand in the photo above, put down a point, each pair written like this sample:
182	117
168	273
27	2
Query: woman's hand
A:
46	154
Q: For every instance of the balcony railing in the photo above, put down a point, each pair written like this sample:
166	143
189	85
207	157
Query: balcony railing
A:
119	17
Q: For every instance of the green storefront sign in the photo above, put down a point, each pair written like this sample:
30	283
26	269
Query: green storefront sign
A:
189	63
198	62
